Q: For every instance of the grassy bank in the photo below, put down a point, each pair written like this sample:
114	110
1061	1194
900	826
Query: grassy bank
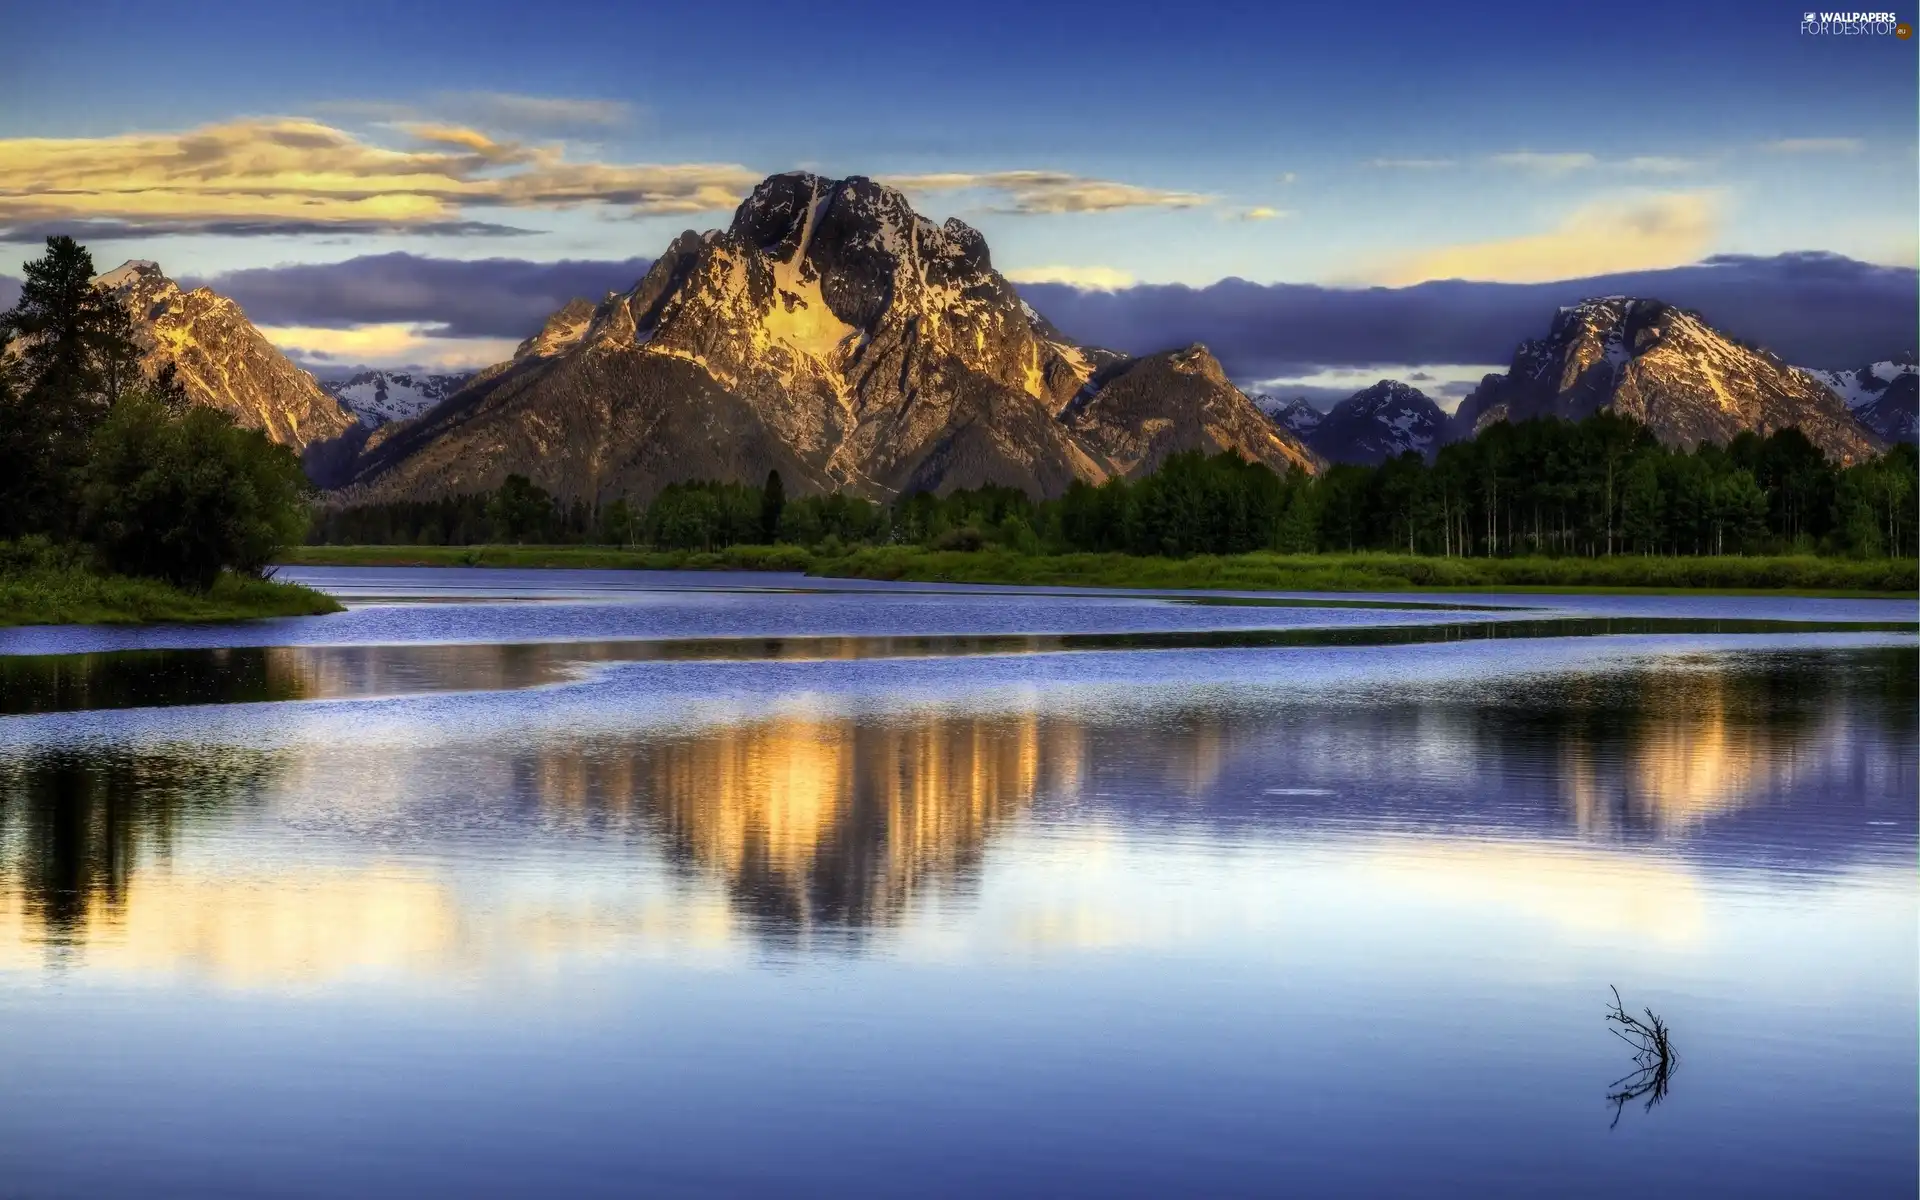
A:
61	595
1804	574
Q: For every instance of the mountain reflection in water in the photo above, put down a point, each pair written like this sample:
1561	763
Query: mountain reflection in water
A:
817	831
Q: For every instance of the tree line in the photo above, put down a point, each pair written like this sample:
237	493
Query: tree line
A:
1598	487
98	460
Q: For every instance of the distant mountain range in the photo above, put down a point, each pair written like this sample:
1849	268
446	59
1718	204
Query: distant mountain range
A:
833	334
1661	365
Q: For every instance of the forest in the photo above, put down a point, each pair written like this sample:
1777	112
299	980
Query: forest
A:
1596	488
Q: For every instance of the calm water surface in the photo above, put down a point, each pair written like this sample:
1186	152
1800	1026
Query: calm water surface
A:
611	884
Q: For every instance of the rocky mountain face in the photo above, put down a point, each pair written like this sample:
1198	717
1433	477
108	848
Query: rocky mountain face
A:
1378	423
377	397
834	334
1883	396
1667	368
221	359
1136	412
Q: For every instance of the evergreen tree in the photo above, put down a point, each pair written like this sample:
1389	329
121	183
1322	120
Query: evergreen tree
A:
773	499
76	357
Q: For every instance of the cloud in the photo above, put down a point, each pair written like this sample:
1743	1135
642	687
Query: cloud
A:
277	174
330	351
87	231
508	112
1086	278
1410	164
1546	164
1288	177
1263	213
1033	193
1817	310
1815	145
535	114
483	298
1443	383
1660	164
1610	235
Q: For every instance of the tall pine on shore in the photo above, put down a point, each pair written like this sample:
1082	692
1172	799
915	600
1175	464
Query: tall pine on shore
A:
74	358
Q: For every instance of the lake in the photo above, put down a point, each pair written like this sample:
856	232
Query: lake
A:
623	883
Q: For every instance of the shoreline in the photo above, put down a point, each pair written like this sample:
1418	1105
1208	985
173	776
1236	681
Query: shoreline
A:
1800	575
56	596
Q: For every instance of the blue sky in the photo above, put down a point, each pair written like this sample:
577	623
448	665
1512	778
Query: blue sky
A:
1341	145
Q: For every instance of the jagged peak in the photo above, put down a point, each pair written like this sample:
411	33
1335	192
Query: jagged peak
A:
1196	359
134	270
564	328
799	211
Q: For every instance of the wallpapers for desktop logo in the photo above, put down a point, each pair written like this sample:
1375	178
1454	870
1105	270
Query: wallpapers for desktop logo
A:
1855	24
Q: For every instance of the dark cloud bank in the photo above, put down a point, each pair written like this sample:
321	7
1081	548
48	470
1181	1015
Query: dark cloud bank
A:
1817	310
489	297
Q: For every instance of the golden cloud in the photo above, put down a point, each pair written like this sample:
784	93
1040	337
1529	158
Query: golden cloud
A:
391	344
293	174
1092	279
1644	233
1043	192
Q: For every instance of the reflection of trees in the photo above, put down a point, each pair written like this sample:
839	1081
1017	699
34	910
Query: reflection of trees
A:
76	824
827	822
132	678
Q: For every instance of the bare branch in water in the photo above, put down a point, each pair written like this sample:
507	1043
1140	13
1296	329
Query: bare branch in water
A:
1654	1057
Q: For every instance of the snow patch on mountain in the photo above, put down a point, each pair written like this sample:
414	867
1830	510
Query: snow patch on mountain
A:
1289	412
376	397
1862	385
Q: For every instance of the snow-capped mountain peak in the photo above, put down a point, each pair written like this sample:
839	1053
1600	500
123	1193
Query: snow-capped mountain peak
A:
1883	396
1378	423
376	397
1289	412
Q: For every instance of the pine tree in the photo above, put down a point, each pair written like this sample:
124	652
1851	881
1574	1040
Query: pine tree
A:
773	499
76	357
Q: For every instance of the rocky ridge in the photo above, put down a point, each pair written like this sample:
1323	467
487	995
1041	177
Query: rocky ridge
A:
220	359
1667	368
832	333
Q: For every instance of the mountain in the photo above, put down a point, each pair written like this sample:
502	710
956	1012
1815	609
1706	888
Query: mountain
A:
221	359
1668	368
1293	413
376	397
1378	423
831	333
1883	396
1136	412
